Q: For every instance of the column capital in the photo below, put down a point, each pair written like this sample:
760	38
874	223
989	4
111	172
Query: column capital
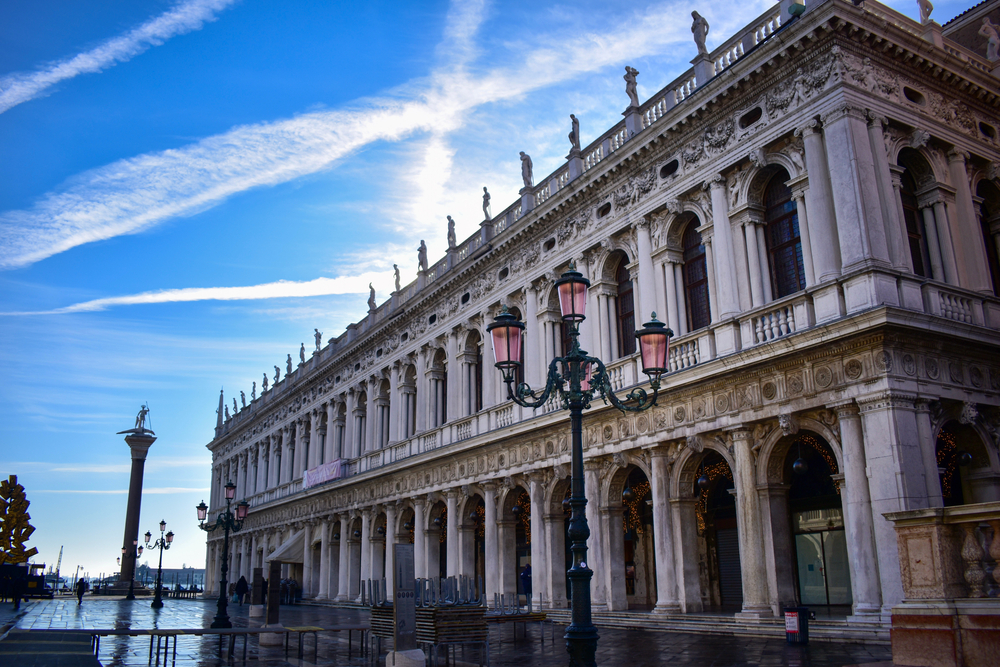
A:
876	119
810	128
842	111
958	155
886	400
845	409
714	183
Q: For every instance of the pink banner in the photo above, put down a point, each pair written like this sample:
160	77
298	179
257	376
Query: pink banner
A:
321	473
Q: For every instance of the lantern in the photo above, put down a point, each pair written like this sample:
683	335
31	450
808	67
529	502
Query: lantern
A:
572	289
241	510
654	346
230	490
506	333
163	526
202	511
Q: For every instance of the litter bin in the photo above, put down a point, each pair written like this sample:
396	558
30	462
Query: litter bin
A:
797	625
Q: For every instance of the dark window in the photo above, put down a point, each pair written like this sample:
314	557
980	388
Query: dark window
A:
783	247
695	279
914	225
625	309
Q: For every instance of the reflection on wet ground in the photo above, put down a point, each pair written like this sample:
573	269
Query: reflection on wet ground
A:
531	646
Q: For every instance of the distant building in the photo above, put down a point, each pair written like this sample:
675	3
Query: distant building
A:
814	209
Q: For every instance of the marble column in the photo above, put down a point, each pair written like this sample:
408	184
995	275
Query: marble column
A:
138	444
604	323
372	416
713	298
685	539
343	563
396	400
301	449
753	257
674	316
453	554
539	572
555	559
419	539
824	241
323	590
942	224
928	452
330	442
595	553
454	396
804	237
725	269
307	560
897	237
390	551
533	342
969	247
647	291
366	547
349	448
933	247
858	516
491	539
663	533
749	529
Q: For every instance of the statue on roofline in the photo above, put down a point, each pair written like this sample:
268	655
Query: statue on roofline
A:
526	170
631	86
486	204
574	133
700	30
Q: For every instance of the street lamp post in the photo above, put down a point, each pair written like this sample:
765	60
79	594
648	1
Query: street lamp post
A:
163	543
586	378
131	580
227	521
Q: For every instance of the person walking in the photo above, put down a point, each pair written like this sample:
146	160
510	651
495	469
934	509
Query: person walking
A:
81	588
242	587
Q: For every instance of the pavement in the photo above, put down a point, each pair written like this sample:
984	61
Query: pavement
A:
521	646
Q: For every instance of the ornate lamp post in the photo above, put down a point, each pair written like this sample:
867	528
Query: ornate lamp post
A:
163	543
578	377
228	521
137	551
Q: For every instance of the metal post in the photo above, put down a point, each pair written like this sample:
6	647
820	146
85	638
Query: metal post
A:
581	635
222	617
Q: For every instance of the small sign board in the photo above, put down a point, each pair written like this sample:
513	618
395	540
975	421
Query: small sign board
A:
404	604
792	622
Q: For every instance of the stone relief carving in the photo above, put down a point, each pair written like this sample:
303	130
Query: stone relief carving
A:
788	424
695	443
635	188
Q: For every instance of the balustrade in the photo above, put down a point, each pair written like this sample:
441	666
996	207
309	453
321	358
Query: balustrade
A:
683	355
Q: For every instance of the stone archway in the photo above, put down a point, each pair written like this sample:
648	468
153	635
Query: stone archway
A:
968	469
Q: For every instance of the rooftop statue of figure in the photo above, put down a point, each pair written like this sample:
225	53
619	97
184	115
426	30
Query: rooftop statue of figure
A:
253	391
227	413
371	297
264	383
243	399
574	133
318	335
526	174
235	408
395	268
422	255
302	354
288	365
140	419
630	86
486	204
925	10
991	32
451	233
277	375
700	30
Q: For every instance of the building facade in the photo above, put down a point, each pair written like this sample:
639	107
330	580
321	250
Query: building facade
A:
814	209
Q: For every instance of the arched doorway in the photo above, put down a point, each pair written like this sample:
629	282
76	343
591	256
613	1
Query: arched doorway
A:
968	472
437	540
514	532
639	550
473	529
817	520
718	546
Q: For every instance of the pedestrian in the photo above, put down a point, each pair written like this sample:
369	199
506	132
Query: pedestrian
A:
241	589
526	580
81	588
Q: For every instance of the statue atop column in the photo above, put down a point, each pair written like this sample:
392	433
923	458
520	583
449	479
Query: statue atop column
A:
318	335
395	268
264	383
235	407
253	391
288	365
574	133
371	297
486	204
243	399
451	233
140	419
422	255
302	354
631	86
925	10
991	32
526	174
277	375
699	27
227	413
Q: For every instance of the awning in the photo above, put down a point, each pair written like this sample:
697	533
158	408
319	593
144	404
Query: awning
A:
290	551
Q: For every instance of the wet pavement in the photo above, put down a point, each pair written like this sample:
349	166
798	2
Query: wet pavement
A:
532	645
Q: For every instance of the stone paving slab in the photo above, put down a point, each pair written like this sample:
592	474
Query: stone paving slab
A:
520	646
21	648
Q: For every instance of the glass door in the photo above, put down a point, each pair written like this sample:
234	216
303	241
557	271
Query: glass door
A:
821	555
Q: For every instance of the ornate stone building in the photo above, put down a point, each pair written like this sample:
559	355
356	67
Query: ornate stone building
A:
815	208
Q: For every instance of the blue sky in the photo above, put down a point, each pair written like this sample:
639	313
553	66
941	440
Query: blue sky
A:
188	188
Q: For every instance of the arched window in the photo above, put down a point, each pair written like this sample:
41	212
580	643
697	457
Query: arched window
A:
625	309
695	278
914	225
783	247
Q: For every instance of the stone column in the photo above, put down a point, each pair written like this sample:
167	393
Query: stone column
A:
424	398
285	473
674	316
453	399
749	530
533	340
315	446
586	331
612	546
343	563
555	562
419	539
390	551
663	532
858	516
944	228
713	303
329	443
895	227
824	241
804	236
604	323
307	560
452	555
753	257
685	545
933	248
323	592
595	554
539	572
647	291
928	452
491	539
349	447
763	259
301	446
725	269
366	547
371	415
396	401
263	456
139	444
856	199
969	247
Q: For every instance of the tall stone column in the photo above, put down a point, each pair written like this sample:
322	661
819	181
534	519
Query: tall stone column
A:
533	344
371	416
452	555
390	551
749	529
969	247
301	441
713	298
139	440
756	283
315	447
824	242
491	539
595	553
555	563
663	533
928	452
453	398
366	546
864	565
307	560
419	539
343	567
674	316
350	444
287	456
685	545
725	269
330	441
933	247
396	403
424	398
323	590
604	323
647	291
539	572
895	227
804	235
949	259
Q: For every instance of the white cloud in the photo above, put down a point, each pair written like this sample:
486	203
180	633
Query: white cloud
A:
135	194
188	16
157	491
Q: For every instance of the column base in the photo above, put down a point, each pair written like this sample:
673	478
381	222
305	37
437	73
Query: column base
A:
667	608
256	611
754	614
271	638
